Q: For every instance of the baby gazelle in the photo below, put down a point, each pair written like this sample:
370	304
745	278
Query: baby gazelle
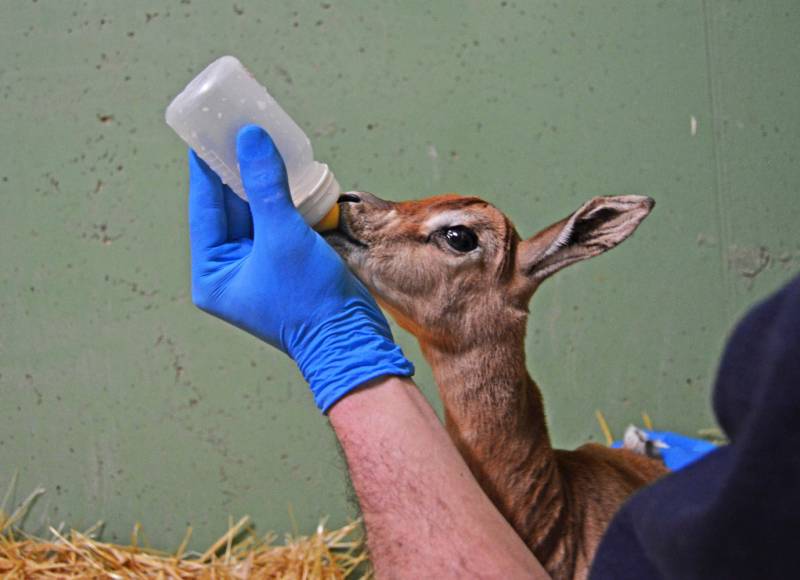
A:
454	272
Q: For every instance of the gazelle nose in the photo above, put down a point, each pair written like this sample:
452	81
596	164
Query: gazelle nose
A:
368	199
349	197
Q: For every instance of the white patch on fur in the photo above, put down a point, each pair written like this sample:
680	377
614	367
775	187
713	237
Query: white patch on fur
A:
446	219
562	239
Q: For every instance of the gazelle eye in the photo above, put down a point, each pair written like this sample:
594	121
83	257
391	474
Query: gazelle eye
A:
460	238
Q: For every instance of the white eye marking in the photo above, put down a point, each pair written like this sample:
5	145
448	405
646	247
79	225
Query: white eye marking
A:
445	219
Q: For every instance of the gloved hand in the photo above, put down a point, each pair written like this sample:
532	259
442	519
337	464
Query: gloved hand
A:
678	450
261	268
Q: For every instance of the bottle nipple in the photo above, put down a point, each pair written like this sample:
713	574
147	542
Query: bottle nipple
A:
330	221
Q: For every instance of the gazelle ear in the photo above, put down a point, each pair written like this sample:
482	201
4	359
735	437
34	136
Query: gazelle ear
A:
600	224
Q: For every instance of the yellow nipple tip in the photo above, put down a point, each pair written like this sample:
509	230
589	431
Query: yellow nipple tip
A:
330	221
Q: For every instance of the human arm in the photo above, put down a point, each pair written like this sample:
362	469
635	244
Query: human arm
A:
426	515
261	268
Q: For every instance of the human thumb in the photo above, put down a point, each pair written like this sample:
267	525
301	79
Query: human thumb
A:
263	175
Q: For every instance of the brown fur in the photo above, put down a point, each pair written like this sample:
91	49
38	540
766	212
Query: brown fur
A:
469	312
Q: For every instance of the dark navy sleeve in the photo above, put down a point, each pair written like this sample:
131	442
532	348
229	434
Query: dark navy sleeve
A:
736	512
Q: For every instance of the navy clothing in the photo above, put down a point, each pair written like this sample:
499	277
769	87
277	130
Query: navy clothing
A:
736	512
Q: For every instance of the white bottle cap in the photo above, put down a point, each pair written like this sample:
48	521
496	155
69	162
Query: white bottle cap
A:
317	193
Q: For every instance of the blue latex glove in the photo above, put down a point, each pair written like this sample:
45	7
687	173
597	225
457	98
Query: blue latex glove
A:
680	450
261	268
676	450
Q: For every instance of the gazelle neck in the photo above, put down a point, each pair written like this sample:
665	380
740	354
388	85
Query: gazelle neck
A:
494	414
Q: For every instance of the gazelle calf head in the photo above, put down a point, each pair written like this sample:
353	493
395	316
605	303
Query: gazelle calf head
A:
452	270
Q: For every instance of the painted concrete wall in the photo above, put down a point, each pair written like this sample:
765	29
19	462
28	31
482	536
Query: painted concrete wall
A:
128	404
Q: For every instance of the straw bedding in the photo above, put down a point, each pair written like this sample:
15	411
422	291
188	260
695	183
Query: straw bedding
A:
238	554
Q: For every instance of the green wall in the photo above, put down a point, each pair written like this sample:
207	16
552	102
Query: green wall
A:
128	404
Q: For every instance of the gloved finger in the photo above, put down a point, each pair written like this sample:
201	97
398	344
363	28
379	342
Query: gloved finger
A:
240	223
264	178
208	225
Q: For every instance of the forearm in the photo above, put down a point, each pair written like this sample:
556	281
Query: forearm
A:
260	267
426	515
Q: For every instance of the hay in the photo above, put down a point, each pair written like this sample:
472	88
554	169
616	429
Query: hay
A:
238	554
325	554
601	419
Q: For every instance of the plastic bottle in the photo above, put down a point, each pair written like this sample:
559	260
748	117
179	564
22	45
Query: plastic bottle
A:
222	99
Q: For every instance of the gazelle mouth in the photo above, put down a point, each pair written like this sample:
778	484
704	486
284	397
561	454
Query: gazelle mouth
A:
343	234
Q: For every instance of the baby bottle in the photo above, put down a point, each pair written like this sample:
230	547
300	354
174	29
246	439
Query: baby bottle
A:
222	99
